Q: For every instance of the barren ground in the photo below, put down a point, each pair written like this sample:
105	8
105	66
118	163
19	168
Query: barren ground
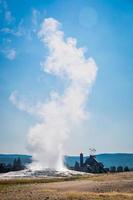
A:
98	187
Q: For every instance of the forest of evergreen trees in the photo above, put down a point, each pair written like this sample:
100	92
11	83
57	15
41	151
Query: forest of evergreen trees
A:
16	166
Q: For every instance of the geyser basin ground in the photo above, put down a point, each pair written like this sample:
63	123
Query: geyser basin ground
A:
41	174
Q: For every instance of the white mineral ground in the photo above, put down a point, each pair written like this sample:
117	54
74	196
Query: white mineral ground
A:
41	173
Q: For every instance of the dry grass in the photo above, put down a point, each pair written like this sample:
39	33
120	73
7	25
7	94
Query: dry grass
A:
75	188
22	194
100	196
40	180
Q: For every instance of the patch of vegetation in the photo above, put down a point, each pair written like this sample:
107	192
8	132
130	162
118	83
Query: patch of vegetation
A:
98	177
96	196
40	180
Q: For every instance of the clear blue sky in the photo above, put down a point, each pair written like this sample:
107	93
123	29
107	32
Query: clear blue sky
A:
105	28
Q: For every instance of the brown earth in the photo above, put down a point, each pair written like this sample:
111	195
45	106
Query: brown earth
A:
98	187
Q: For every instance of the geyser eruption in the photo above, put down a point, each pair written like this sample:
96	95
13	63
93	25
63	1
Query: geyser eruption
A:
61	112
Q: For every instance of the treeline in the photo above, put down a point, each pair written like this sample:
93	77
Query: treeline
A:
114	169
16	166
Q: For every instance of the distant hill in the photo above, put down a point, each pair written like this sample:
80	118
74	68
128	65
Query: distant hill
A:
118	159
9	158
108	160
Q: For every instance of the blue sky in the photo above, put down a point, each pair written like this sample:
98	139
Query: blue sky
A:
105	28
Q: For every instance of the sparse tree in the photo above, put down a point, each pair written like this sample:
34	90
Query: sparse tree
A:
17	164
126	169
76	167
119	169
113	169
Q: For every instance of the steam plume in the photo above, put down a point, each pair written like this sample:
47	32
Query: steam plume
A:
61	112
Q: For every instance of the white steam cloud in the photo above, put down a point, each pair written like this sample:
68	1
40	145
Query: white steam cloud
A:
61	112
